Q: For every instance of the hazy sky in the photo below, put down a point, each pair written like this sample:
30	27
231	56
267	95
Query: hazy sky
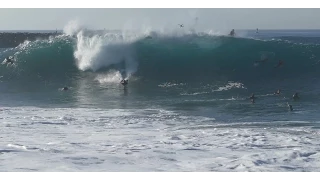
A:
49	19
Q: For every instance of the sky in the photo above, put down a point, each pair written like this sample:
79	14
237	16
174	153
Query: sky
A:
119	19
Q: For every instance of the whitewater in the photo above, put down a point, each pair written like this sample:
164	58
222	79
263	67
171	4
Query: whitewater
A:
186	107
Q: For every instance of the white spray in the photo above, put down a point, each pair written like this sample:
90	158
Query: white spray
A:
96	50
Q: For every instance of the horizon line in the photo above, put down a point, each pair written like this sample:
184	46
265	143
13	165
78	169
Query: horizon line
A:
136	29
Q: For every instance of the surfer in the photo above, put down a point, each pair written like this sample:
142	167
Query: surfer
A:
295	96
64	88
252	96
181	25
277	92
280	63
252	101
232	33
257	30
290	106
124	82
8	60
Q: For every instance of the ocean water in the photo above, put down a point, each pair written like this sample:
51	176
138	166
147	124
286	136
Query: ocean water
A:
186	107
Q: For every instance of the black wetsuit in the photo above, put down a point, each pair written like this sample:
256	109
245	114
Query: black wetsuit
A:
124	82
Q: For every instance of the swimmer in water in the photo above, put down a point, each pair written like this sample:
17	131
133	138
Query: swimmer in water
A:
252	101
181	25
290	106
64	88
295	96
252	96
277	92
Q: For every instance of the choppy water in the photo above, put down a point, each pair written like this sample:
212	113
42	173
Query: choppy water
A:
186	107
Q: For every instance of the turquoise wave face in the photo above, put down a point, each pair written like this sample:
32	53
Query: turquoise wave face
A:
188	58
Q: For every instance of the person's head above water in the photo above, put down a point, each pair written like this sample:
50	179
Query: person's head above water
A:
65	88
278	91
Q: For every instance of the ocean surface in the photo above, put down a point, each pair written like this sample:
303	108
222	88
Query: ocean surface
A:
186	107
